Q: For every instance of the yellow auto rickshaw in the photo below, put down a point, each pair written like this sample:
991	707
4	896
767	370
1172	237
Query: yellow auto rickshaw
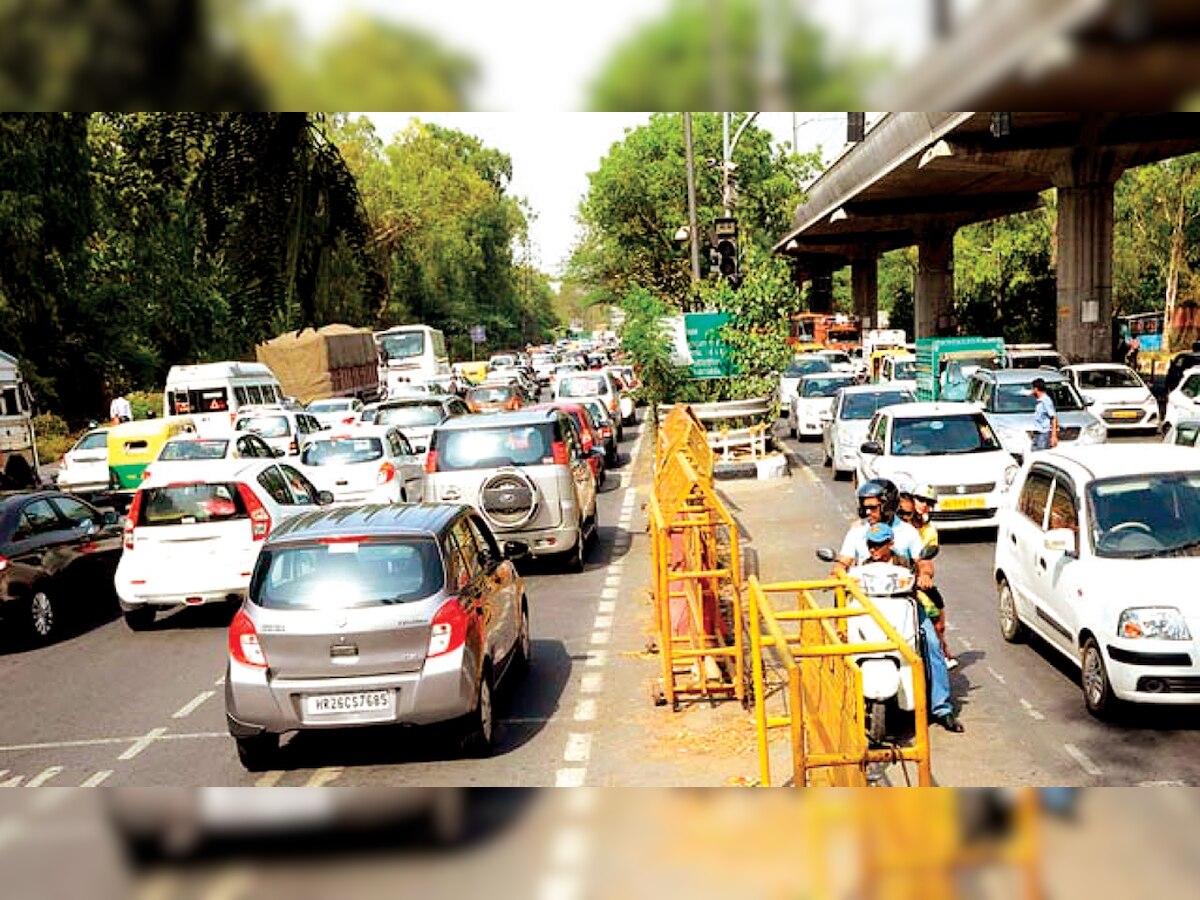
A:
132	446
473	372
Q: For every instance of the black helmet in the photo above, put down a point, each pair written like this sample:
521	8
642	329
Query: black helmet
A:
885	492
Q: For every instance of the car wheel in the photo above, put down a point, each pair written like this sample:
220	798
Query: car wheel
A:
42	615
140	619
1011	626
1097	689
257	753
481	722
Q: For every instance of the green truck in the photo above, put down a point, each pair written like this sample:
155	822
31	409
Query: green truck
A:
944	365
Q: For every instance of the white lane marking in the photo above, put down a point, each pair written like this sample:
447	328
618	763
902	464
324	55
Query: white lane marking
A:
269	779
607	607
603	622
100	742
996	675
98	779
613	580
609	593
324	776
1032	712
592	682
582	802
43	776
570	847
560	886
15	781
1162	784
600	637
220	681
597	657
1084	762
585	710
231	884
143	742
192	705
570	777
579	747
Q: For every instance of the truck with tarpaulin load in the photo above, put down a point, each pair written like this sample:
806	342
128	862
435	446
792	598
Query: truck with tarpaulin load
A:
321	363
18	444
944	365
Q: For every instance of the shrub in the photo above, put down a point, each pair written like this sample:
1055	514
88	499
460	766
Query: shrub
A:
54	438
145	402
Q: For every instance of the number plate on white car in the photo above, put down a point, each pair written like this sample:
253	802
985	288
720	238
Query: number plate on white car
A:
376	703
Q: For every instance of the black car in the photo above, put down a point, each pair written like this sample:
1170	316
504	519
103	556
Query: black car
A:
58	555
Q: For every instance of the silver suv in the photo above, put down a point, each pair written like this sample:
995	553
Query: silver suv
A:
526	474
1006	396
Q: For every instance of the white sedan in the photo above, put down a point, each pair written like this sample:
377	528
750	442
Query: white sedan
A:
335	410
364	464
949	445
1118	395
845	426
812	401
1184	401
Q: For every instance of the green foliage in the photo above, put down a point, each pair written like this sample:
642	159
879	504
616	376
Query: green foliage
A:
706	55
897	275
143	403
643	337
53	436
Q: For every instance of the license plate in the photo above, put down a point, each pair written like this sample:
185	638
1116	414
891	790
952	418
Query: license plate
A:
1125	414
381	702
953	503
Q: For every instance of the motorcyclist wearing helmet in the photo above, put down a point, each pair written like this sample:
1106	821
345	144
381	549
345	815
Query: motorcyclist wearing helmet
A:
878	502
917	502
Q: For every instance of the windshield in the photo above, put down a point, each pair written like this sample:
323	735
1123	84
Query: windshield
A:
329	405
413	416
949	435
1143	516
490	395
864	405
581	387
97	440
1186	433
194	449
265	426
488	448
1100	379
1191	387
347	575
837	358
807	366
905	371
822	387
402	346
341	451
1018	398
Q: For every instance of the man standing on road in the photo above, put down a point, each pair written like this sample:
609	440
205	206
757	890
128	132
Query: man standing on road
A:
1045	418
120	410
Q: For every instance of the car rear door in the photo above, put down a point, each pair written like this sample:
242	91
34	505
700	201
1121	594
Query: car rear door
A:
409	467
1021	535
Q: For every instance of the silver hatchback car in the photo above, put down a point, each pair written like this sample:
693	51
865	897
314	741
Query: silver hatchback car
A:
375	615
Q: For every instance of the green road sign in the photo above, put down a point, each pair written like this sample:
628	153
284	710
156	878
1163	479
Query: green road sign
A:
710	356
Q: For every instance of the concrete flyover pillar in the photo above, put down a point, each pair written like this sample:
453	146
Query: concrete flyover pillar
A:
820	294
934	302
864	284
1085	243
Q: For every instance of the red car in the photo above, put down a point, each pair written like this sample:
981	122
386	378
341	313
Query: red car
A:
589	434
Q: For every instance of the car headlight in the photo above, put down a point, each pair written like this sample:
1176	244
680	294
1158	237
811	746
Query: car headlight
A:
1094	433
1162	622
1010	475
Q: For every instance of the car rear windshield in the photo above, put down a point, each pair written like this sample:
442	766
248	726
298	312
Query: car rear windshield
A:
189	504
584	386
338	451
807	367
412	415
823	387
488	448
490	394
194	449
347	574
265	426
1099	379
1018	398
97	440
329	405
863	406
947	435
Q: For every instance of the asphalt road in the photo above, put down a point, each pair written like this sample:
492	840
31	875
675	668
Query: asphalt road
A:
1021	704
111	707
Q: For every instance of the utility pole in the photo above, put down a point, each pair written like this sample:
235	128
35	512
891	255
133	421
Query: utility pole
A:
727	157
693	230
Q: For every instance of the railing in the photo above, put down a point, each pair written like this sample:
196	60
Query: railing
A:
823	699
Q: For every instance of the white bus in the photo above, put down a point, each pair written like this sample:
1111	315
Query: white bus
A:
212	393
412	354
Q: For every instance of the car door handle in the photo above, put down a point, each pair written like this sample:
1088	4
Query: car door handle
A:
1012	537
1041	563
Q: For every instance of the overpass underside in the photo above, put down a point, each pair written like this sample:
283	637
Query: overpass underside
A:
919	177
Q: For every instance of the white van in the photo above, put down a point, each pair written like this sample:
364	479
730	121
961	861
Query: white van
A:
412	354
212	393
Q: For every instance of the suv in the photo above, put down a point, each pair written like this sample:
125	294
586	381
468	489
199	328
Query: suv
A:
282	429
427	617
525	472
193	542
1006	395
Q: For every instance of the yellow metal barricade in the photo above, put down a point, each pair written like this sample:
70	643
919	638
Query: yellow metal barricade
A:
823	708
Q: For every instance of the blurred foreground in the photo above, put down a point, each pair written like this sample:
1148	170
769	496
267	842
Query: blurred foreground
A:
298	844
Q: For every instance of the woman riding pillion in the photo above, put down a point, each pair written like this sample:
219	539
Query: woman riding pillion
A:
916	505
878	503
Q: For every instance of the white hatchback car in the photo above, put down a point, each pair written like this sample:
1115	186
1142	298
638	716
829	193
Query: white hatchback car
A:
949	445
1099	555
84	467
1118	395
812	402
335	410
1184	401
845	428
195	541
364	464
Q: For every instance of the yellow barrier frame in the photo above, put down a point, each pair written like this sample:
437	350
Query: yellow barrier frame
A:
827	735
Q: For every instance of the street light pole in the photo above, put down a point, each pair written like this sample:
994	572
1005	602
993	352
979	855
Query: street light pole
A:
693	236
727	157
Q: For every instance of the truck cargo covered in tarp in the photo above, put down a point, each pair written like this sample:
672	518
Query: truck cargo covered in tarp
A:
333	361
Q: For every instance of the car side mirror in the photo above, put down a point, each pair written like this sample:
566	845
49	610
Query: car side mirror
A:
827	554
324	498
1089	401
514	550
111	517
275	451
89	526
1060	540
872	448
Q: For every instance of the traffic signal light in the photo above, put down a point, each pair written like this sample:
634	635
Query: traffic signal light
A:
725	233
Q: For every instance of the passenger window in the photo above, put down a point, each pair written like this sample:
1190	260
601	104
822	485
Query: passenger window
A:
38	518
571	438
241	396
271	479
403	447
253	394
1034	494
304	491
466	545
74	511
488	551
1063	513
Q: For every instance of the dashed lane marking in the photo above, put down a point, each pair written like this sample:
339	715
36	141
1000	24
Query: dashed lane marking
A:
603	622
1000	678
143	742
597	657
585	710
269	779
1084	761
560	886
600	637
43	776
192	705
323	776
608	607
1032	712
98	779
159	734
570	847
591	682
579	747
609	593
572	777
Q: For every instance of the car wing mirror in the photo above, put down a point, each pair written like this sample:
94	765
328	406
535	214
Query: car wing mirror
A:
1060	540
324	498
872	448
111	517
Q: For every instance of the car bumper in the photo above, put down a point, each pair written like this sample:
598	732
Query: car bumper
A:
1146	419
985	516
255	702
186	587
541	541
809	427
82	487
1159	676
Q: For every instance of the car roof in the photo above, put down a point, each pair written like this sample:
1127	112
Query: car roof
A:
11	498
370	520
412	400
825	376
503	419
352	430
926	410
883	388
1079	367
1111	460
214	470
1019	376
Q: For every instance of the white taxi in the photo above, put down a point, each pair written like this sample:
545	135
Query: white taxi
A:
364	464
1118	394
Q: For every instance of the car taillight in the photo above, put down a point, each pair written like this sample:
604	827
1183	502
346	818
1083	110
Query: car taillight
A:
293	447
131	517
243	642
605	432
386	473
260	519
449	629
3	563
559	449
587	442
431	461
